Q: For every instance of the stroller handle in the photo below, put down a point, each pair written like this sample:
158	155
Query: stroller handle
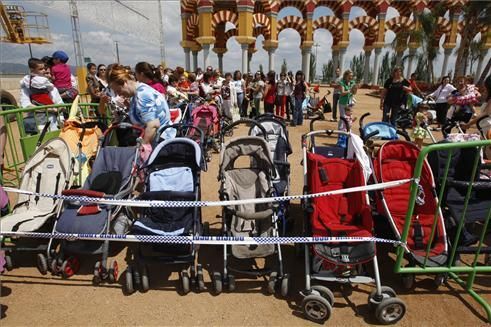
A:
361	122
124	126
320	116
179	127
245	122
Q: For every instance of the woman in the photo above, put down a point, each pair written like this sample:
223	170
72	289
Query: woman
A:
101	76
146	73
270	93
299	93
239	85
92	83
247	96
441	95
394	96
347	88
258	93
147	106
284	91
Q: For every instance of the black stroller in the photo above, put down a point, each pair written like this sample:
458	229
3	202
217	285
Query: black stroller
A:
113	175
453	203
172	173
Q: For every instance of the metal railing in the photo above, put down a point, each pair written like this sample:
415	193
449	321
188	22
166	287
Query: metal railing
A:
454	267
23	130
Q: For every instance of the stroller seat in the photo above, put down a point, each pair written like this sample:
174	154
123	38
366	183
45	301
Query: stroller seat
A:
48	171
252	220
396	161
341	215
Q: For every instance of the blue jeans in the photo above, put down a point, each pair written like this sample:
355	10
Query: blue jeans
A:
297	112
335	99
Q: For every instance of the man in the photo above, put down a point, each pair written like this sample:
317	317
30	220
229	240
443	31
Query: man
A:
336	94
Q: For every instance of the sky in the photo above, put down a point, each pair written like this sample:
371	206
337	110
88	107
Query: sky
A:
103	23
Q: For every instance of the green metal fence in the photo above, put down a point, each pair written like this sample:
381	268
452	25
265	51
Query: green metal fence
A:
23	129
462	271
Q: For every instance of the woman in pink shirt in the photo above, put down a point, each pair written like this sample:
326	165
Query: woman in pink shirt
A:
148	74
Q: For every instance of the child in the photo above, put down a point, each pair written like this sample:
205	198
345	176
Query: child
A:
174	97
229	97
345	125
422	120
37	90
62	77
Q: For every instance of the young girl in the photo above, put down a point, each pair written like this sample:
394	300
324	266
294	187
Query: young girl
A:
421	121
270	93
229	97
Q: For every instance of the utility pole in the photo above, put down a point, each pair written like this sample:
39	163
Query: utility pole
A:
162	48
77	45
117	52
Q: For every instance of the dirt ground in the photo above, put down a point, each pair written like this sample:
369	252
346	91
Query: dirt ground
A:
28	298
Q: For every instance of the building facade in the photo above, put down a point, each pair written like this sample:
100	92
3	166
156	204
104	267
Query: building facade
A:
204	28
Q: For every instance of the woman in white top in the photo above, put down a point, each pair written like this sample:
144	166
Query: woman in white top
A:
440	95
239	85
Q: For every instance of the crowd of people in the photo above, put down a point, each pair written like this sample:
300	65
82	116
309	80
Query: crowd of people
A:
146	92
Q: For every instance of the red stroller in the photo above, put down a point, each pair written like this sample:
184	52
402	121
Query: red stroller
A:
395	161
341	215
207	119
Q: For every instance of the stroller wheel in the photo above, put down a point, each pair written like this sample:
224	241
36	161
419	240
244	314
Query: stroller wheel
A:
129	288
97	279
440	279
42	264
69	267
55	269
145	283
217	282
8	263
316	308
390	311
185	281
231	283
113	272
387	293
272	282
324	292
200	278
407	281
285	284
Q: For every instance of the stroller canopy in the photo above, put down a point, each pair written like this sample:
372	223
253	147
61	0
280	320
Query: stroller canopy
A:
251	146
385	130
177	150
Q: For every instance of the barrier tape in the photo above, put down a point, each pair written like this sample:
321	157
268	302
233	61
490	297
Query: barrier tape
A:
199	240
190	204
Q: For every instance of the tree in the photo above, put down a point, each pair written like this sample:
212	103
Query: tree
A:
388	64
327	72
357	66
475	53
313	68
475	15
261	69
284	67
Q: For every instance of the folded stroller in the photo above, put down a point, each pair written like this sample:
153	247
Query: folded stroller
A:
206	118
172	173
48	171
113	175
459	178
248	180
340	215
396	160
280	149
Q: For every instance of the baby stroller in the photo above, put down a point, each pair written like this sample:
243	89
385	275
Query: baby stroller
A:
380	130
342	215
459	178
280	149
206	118
253	179
113	175
48	171
172	173
484	127
396	161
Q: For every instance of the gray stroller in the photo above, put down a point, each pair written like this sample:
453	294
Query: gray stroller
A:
248	179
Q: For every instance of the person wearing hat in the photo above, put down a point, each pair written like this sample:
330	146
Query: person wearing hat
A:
61	74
